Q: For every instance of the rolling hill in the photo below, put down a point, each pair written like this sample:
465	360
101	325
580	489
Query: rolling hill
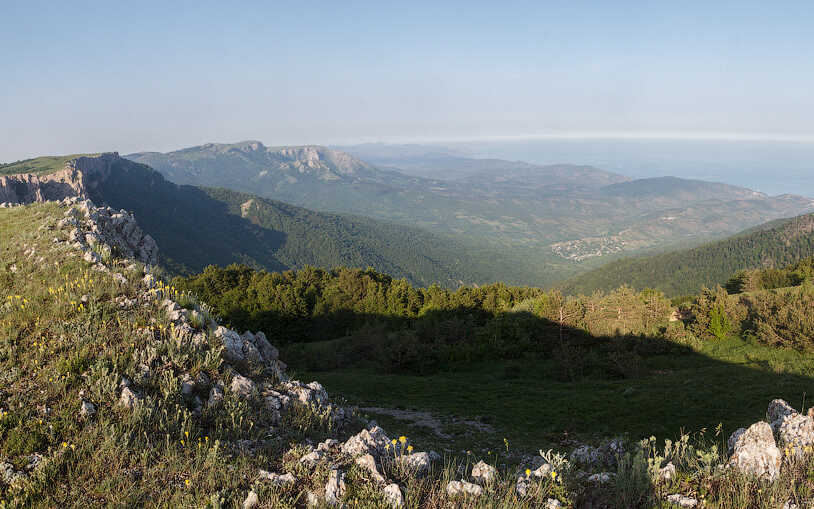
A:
558	212
775	244
197	226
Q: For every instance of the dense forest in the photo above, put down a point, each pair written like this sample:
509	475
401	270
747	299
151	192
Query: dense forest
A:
683	272
341	317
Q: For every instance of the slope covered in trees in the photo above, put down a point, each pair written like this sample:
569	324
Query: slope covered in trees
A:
775	244
196	227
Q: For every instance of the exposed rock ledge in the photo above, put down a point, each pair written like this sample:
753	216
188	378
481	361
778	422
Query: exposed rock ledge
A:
79	176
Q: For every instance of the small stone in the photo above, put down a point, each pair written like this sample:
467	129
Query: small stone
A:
335	487
87	409
457	488
393	496
667	472
552	503
368	462
129	399
682	501
242	386
483	473
251	500
277	479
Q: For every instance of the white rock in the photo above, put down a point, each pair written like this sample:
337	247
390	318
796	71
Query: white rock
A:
368	462
277	479
552	503
667	472
755	452
242	386
417	463
129	399
335	487
393	496
456	488
483	473
372	441
251	500
87	409
682	501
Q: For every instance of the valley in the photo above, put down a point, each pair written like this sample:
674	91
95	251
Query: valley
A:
554	212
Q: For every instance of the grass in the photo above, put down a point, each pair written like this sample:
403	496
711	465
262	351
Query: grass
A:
57	348
39	165
727	382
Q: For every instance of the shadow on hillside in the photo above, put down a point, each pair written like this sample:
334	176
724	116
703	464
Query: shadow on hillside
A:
185	220
521	370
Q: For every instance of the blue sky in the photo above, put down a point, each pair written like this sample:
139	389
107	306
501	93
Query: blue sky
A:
91	76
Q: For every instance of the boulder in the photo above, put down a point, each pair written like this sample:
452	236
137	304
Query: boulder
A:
796	435
755	452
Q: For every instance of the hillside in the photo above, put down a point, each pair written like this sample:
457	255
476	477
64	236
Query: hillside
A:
201	226
121	390
775	244
553	213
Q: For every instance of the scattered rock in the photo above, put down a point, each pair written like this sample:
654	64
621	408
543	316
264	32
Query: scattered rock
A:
129	399
242	386
483	473
458	488
682	501
417	463
552	503
87	409
796	435
373	442
393	496
368	462
601	477
755	452
778	409
335	487
667	472
251	500
277	479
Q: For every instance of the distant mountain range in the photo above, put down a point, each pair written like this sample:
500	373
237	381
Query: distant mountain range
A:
565	212
771	245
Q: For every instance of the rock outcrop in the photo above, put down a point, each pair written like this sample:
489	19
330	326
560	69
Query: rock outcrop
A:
75	180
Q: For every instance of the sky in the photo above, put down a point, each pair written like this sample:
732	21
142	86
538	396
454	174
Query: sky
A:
98	76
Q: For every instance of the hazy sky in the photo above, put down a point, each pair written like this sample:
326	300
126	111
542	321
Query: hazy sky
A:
91	76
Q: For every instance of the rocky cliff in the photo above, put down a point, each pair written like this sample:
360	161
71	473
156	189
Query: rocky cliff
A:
76	179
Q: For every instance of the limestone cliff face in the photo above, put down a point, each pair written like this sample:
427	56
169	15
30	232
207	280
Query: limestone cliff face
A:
79	176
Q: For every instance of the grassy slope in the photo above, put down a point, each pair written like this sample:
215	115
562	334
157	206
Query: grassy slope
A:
727	382
776	244
37	166
49	351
